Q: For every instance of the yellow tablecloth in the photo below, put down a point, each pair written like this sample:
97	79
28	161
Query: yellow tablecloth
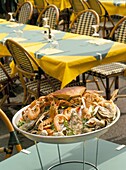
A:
76	53
115	7
61	4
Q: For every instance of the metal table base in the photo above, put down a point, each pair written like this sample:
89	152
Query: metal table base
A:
61	163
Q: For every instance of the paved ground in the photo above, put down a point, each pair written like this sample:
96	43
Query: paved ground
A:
116	134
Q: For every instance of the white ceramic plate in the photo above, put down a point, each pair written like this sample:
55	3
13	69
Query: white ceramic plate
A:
62	139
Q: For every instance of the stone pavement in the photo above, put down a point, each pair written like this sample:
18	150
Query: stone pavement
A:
117	132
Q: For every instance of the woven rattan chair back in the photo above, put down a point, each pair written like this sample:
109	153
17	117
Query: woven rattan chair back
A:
37	82
24	12
52	13
20	2
34	81
119	31
83	22
40	5
78	6
13	138
6	81
106	22
4	74
21	56
95	5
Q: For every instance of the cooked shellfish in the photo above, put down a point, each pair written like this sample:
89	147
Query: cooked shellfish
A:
70	111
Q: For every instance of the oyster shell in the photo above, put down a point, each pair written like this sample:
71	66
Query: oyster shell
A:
105	113
94	122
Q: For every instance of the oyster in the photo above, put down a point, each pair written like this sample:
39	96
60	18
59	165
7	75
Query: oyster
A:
105	113
94	122
76	124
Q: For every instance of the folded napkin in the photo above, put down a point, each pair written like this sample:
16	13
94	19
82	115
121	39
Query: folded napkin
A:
14	25
99	41
17	39
47	51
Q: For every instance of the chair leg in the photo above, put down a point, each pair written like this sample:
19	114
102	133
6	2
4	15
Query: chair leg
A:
5	95
78	79
108	91
7	92
25	98
3	100
84	79
96	82
117	82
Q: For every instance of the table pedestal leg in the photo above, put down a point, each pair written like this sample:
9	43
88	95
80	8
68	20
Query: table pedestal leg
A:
39	155
76	161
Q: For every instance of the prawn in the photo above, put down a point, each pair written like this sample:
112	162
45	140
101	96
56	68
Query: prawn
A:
40	127
68	112
57	120
53	109
33	112
50	132
85	110
47	121
65	103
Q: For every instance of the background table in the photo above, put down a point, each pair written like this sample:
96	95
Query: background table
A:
75	54
61	4
115	7
108	157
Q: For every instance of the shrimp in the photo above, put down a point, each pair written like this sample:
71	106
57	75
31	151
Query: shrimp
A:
33	104
57	119
26	112
50	132
40	127
67	112
33	112
45	124
85	113
65	103
85	110
53	109
48	121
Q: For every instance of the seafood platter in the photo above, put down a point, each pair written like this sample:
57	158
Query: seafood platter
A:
72	114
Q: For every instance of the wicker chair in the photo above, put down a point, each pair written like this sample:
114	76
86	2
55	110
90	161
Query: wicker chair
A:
64	17
106	22
39	5
24	13
83	22
20	2
6	83
34	81
115	69
78	6
13	139
52	13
